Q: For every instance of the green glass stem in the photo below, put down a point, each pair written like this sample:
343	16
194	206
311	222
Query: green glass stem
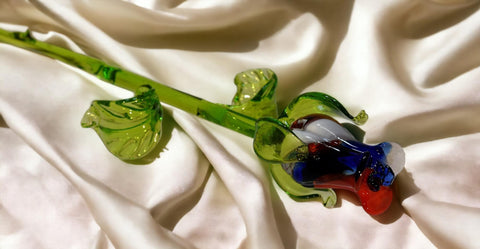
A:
131	128
216	113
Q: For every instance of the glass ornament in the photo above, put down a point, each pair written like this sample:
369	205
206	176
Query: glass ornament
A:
310	153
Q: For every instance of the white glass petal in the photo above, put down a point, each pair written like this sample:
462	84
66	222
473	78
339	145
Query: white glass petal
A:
396	158
308	137
329	130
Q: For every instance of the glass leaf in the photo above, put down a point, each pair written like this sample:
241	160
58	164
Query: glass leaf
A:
129	128
274	142
299	192
316	102
255	95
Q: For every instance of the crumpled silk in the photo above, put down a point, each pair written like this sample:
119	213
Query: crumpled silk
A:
414	66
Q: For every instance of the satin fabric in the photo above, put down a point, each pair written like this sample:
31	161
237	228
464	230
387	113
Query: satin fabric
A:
414	66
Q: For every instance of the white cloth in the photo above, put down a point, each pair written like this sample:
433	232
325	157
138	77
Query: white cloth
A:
414	66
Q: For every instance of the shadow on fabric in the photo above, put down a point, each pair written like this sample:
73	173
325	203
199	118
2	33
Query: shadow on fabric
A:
434	125
406	24
168	216
335	19
3	124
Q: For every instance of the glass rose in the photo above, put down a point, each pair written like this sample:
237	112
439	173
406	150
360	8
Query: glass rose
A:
309	151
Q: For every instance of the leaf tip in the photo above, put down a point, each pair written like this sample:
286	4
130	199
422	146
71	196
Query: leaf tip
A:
361	118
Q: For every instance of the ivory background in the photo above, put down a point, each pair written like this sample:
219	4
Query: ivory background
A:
413	65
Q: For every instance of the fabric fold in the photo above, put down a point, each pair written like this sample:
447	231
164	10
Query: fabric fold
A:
412	65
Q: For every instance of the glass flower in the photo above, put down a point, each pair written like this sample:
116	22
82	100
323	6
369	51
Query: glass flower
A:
318	153
310	152
336	159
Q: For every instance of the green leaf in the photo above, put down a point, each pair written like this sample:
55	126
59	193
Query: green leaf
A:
316	102
255	95
276	143
129	128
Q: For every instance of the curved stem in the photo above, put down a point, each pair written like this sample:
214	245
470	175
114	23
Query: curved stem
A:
216	113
